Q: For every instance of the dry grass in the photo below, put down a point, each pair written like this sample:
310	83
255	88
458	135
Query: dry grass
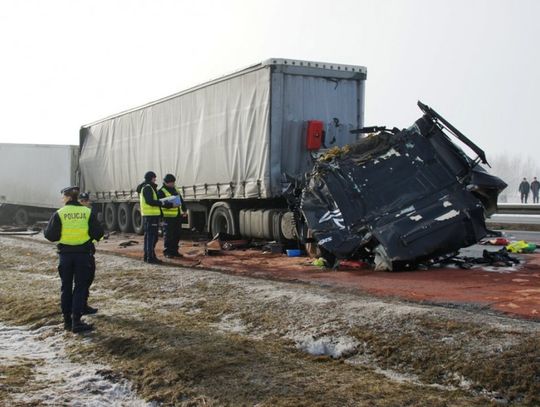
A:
174	354
14	379
444	352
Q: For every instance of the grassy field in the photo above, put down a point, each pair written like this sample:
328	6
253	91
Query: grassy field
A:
200	338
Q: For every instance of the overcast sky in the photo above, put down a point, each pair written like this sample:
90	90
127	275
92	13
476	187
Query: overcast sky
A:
67	63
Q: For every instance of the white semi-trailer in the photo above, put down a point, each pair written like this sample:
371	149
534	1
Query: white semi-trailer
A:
32	177
230	142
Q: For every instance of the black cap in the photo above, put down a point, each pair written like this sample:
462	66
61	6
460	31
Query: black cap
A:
169	178
84	196
68	190
149	176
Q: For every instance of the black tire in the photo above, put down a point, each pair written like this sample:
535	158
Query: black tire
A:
21	217
136	219
124	218
111	217
276	226
223	219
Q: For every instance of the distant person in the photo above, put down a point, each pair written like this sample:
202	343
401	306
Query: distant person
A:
535	188
74	227
524	189
172	218
151	213
84	200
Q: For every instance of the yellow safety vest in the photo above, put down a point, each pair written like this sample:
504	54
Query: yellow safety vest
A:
171	212
75	224
149	210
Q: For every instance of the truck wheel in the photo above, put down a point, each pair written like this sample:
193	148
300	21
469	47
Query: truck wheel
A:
124	218
276	226
136	219
21	217
111	217
222	219
288	227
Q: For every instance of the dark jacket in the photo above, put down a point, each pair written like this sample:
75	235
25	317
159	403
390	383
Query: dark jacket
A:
535	187
172	191
148	196
524	187
53	231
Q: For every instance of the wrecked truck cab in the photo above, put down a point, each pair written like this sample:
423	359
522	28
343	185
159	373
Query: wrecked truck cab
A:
399	198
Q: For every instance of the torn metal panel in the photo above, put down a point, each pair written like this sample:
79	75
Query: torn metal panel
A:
399	197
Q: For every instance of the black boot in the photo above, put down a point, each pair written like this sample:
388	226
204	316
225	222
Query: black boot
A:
67	322
80	326
88	310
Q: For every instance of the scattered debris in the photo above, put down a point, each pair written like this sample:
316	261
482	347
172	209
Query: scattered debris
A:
18	231
499	258
235	244
127	243
273	248
13	229
499	241
521	246
320	262
213	247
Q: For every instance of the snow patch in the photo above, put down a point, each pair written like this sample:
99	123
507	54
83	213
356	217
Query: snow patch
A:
416	218
64	382
446	204
335	347
232	325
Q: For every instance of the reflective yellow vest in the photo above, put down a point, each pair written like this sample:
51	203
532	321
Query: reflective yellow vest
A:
75	224
149	210
171	212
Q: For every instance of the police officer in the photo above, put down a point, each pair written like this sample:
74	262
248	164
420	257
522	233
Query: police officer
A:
172	218
151	213
74	227
84	200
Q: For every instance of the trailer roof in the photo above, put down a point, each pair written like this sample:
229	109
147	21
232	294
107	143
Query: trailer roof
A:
312	66
38	145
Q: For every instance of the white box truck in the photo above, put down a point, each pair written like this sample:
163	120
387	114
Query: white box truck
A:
32	177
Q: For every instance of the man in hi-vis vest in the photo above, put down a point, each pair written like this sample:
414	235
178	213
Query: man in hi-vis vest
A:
151	213
74	227
172	217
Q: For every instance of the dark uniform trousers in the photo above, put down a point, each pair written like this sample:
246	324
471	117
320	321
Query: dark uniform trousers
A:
171	234
74	268
151	230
